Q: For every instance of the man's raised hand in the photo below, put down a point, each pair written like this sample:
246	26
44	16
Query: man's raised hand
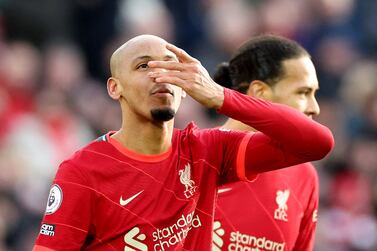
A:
190	75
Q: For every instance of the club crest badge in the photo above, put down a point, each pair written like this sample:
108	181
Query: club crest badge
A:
185	178
281	201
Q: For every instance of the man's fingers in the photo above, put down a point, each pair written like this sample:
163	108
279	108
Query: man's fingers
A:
163	76
167	65
181	54
172	80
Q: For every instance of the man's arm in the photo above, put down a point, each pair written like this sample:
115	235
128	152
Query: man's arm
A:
287	137
66	222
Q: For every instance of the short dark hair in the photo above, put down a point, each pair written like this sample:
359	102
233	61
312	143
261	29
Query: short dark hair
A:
260	58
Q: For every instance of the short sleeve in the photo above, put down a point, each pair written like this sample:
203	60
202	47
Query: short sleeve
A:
66	223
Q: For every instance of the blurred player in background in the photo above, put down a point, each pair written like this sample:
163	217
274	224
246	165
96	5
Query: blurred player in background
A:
151	187
279	208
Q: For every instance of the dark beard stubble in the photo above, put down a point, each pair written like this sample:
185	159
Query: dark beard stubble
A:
162	115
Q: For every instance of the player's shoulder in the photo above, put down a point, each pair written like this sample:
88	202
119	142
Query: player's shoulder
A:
304	173
193	130
85	160
211	140
306	169
190	131
95	149
301	173
190	128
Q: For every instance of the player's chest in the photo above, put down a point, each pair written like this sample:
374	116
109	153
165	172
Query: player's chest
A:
271	216
154	190
152	204
177	178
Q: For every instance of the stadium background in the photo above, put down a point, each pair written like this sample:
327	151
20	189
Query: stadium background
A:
54	64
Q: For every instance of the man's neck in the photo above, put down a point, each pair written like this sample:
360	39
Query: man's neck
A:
146	138
237	125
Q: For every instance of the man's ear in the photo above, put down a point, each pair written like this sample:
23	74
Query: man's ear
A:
259	89
114	88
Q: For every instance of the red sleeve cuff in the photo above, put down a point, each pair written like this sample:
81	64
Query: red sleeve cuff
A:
227	97
240	162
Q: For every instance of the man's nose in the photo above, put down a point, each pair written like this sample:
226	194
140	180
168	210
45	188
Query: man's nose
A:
313	107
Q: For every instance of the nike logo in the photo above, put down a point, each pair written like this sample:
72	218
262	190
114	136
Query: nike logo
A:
223	190
125	202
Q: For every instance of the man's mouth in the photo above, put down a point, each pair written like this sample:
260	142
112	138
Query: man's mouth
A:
163	91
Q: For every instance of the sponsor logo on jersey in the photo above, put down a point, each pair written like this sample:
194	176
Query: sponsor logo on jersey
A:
163	238
281	200
242	242
133	240
218	233
185	179
55	199
125	202
167	237
47	229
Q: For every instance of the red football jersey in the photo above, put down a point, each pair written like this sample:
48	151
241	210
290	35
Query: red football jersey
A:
278	211
108	198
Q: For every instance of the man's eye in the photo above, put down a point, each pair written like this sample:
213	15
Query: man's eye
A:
142	66
304	92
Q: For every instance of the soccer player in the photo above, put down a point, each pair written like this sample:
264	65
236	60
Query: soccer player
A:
148	186
279	209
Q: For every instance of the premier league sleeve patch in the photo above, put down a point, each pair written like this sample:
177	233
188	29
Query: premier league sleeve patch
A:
55	199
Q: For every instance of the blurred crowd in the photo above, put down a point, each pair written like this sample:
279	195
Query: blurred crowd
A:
54	58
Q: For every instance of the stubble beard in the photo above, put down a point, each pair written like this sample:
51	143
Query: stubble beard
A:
162	114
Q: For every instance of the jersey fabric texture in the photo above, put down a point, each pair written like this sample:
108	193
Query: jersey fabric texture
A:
108	198
174	203
278	212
